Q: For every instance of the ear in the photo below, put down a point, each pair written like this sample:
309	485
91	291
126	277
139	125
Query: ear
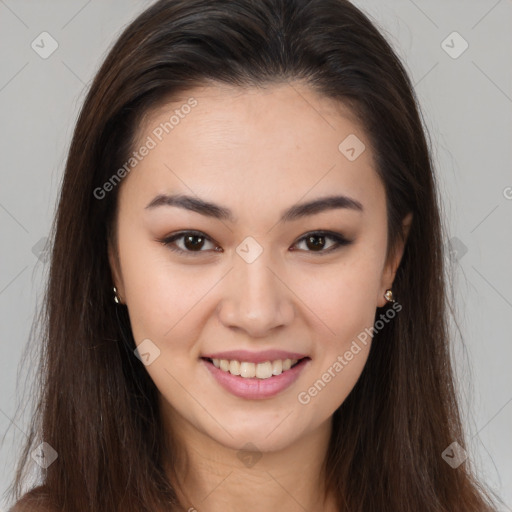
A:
388	275
115	270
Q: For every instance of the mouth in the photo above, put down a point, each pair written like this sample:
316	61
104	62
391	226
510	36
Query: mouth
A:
250	370
255	381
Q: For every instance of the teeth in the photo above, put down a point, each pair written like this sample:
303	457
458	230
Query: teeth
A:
277	367
249	370
234	368
264	370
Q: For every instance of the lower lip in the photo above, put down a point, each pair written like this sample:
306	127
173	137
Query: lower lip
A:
255	388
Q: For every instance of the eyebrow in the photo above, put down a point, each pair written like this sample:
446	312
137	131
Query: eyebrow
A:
219	212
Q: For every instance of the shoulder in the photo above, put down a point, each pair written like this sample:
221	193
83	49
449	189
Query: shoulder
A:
31	506
35	500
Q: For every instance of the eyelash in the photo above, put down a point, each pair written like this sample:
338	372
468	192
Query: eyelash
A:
340	241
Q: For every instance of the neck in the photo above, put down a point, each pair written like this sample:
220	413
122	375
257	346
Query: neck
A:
210	477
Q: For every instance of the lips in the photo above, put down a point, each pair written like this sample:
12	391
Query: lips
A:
255	388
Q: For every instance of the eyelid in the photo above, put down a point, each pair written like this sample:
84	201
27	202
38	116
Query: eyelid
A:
167	241
339	241
338	238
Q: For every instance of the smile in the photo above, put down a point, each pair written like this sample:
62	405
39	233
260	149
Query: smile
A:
250	370
255	380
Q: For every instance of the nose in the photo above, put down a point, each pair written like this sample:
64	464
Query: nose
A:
256	298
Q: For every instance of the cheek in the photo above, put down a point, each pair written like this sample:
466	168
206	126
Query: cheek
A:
342	340
165	303
163	297
160	295
343	296
344	302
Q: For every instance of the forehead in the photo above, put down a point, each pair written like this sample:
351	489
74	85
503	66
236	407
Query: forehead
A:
280	142
293	110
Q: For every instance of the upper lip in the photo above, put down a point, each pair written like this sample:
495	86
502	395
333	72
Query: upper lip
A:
254	357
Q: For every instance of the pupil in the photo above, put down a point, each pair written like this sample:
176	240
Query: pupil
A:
310	240
317	245
193	246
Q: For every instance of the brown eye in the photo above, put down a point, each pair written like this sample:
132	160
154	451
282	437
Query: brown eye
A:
192	242
317	241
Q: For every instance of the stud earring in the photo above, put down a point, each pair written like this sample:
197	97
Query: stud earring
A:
389	296
116	298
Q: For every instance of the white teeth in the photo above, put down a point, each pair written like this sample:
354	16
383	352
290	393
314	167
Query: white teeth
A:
259	370
247	370
234	368
264	370
277	367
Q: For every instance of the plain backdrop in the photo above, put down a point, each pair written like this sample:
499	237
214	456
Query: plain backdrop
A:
458	54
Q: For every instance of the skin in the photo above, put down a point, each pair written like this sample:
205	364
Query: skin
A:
256	152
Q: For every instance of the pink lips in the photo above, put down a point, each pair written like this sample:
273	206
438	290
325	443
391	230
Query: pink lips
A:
256	389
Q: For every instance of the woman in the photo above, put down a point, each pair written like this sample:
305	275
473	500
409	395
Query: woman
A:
246	306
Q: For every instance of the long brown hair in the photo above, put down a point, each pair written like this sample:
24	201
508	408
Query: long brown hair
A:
98	407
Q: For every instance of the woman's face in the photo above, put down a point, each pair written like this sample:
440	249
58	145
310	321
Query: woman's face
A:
254	275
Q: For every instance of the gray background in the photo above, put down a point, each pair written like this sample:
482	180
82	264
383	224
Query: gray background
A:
467	105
